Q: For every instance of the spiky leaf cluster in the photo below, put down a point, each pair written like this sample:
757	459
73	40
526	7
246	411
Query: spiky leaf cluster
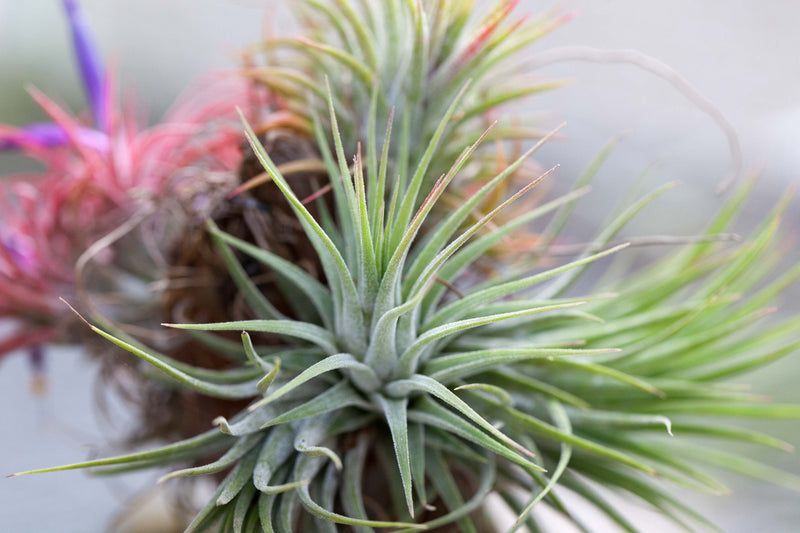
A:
511	385
402	382
410	58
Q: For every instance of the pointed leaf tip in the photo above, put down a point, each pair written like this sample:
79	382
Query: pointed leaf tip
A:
77	313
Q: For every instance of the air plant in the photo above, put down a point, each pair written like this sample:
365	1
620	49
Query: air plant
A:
405	388
103	167
409	60
199	288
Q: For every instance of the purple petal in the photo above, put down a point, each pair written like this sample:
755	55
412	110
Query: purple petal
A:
22	256
88	56
44	134
36	354
50	135
37	358
8	144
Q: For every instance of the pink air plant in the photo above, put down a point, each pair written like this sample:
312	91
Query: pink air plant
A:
37	250
101	168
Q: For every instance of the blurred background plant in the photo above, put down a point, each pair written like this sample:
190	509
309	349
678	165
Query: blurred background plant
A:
100	175
683	141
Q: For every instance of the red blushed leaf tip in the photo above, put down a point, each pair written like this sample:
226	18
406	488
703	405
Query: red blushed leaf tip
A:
327	188
237	191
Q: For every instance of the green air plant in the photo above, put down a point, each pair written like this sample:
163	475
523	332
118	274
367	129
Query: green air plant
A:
405	389
409	59
393	388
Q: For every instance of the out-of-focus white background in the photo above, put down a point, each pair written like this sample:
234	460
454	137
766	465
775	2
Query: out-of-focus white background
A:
741	54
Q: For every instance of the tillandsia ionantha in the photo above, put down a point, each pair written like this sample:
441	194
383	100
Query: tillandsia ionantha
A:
405	388
199	288
409	60
101	170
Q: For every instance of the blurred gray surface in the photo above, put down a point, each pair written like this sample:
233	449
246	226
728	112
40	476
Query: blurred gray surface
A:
742	55
62	427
